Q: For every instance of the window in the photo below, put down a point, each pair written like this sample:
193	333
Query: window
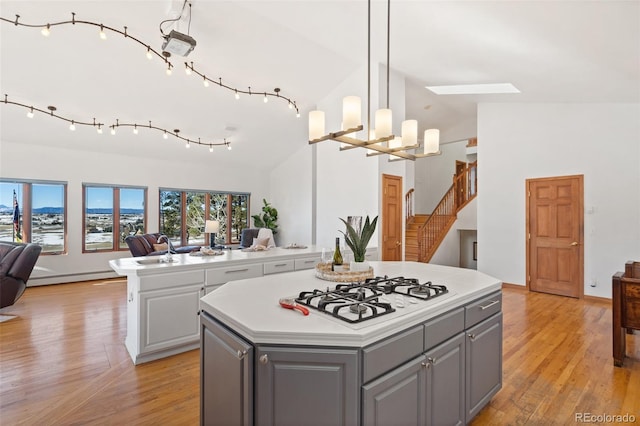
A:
42	214
111	214
183	215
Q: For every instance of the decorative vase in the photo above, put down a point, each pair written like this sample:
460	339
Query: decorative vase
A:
358	266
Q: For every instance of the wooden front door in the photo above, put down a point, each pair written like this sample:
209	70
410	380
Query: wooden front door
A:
555	234
391	217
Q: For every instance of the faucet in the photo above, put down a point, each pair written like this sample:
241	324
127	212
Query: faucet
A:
168	257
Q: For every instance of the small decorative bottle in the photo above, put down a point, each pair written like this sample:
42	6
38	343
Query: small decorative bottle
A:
336	265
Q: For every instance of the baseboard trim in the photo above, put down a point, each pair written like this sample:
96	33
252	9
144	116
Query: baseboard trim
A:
597	299
69	278
514	286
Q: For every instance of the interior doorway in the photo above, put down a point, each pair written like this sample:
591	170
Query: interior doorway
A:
555	251
391	221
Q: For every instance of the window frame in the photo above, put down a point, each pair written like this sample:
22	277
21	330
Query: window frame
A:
26	210
207	211
115	234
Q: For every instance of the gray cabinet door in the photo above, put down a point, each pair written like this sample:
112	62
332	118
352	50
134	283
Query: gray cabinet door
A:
483	363
226	376
446	382
306	386
397	398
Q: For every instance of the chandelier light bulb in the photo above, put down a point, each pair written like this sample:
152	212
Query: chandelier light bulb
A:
351	112
46	31
409	132
103	35
431	141
383	123
72	126
30	113
316	124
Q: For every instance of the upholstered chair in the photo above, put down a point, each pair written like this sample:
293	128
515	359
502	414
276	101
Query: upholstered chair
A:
16	264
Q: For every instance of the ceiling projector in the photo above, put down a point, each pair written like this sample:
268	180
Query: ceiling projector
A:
178	44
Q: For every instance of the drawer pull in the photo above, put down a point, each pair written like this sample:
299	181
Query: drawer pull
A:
241	354
310	261
472	336
264	359
494	302
280	264
233	271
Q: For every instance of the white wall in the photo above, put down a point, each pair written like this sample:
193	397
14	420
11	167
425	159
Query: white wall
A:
20	161
521	141
434	175
291	194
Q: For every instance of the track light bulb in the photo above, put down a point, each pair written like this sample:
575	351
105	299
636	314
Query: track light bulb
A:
30	113
265	98
46	31
237	95
149	54
169	70
113	130
166	136
229	147
187	145
298	115
72	126
187	70
290	105
210	148
135	130
205	82
103	35
99	130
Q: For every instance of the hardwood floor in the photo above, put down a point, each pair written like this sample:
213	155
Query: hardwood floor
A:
63	361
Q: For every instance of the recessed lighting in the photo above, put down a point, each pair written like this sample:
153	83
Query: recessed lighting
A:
473	89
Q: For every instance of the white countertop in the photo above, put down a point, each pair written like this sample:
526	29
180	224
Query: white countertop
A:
135	265
251	307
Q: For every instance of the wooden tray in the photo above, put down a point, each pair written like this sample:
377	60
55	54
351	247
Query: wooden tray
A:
324	272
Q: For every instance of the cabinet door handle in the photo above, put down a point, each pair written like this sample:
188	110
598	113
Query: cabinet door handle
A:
493	302
431	360
241	354
472	336
310	261
280	264
236	270
264	359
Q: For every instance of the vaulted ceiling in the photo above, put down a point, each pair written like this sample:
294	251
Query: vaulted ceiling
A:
553	51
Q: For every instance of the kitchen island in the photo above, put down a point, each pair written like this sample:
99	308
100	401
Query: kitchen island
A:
436	361
163	297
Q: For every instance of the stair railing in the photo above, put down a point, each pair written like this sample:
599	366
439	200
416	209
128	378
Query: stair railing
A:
408	201
433	231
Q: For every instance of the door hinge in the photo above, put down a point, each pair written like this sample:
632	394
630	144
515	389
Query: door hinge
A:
528	193
529	235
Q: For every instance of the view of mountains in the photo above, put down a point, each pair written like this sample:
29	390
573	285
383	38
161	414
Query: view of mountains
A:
59	210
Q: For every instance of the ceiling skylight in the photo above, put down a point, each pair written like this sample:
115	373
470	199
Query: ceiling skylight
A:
474	89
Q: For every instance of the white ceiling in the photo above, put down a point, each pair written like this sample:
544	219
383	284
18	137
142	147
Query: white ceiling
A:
553	51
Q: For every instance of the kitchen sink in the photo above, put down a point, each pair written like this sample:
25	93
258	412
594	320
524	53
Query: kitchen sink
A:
154	260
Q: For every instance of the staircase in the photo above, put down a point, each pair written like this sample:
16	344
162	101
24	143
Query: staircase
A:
424	233
411	237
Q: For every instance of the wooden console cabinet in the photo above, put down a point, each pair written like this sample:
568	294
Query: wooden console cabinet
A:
626	308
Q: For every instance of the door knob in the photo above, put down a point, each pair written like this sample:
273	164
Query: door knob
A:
398	243
575	243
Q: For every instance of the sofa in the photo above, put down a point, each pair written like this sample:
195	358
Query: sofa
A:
150	245
17	261
248	236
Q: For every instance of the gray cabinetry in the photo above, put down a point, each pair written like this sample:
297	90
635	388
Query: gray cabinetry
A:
397	398
226	379
445	371
483	363
296	386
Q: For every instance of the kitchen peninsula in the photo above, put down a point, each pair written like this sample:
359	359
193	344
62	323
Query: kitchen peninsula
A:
163	298
433	360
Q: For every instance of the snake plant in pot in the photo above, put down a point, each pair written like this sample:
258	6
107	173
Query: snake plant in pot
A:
357	240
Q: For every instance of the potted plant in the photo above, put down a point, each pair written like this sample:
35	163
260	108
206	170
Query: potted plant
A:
268	218
357	240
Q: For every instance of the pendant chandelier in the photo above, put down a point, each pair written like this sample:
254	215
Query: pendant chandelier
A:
397	146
